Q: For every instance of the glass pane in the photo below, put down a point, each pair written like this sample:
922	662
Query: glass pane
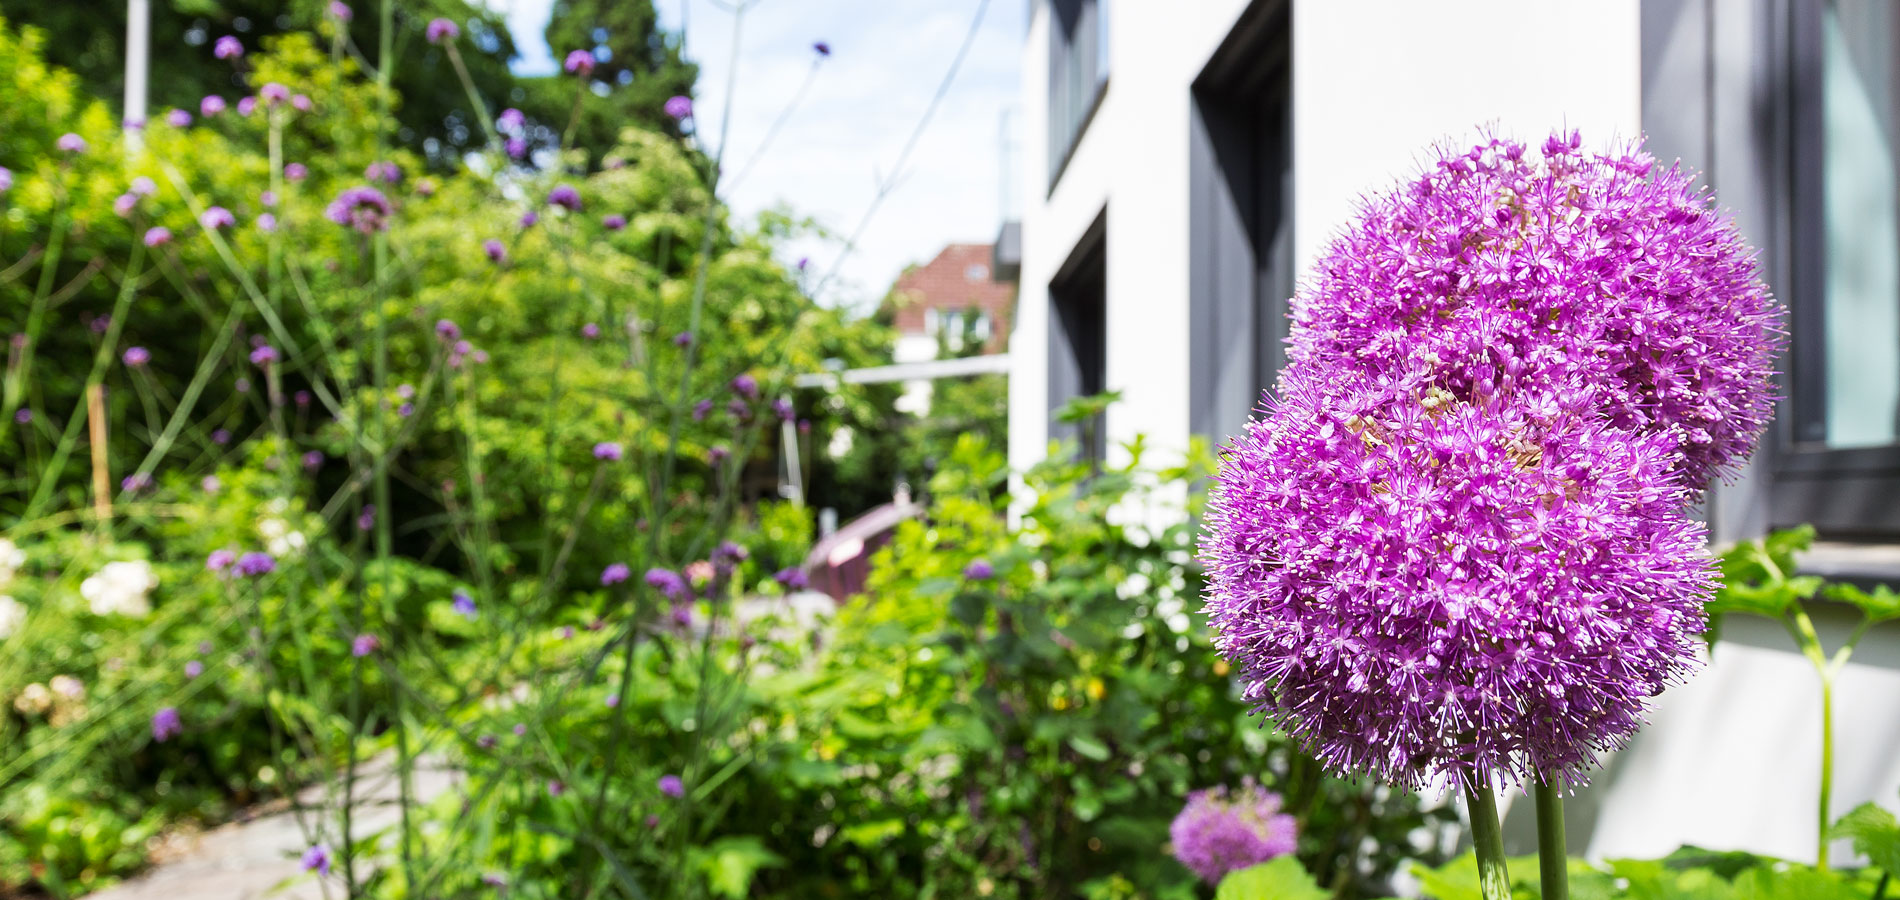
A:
1863	234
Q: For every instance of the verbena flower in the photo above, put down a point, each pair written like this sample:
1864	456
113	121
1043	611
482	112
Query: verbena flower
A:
255	564
579	62
363	208
227	47
157	236
746	386
136	356
791	578
590	331
672	786
564	195
979	570
614	222
1218	831
679	107
166	724
364	644
701	410
683	339
263	353
783	409
495	250
71	143
442	30
384	171
463	604
1501	267
296	172
211	105
511	119
447	330
668	582
717	455
607	450
317	858
178	118
246	106
273	93
821	48
215	218
341	11
615	573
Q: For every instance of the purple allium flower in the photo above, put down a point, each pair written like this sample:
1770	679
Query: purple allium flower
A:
590	331
495	250
273	93
219	560
746	386
317	858
792	578
227	47
463	604
1432	587
667	581
255	564
702	409
671	786
296	172
679	107
71	143
364	644
821	48
579	62
384	171
442	30
215	218
136	482
136	356
511	119
194	668
124	204
782	408
529	218
615	573
221	436
178	118
717	455
614	222
1504	272
246	106
517	148
263	353
363	208
565	195
684	338
1218	832
313	460
366	517
607	450
447	330
979	570
340	11
157	235
166	724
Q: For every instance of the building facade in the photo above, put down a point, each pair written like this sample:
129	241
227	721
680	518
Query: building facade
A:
1181	170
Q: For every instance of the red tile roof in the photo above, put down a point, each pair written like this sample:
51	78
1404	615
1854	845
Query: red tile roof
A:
957	280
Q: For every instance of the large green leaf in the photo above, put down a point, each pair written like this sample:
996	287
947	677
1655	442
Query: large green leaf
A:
730	862
1278	879
1881	605
1876	834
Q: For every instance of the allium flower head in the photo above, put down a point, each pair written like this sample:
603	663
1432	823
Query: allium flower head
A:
746	386
579	62
227	47
246	106
363	208
679	107
215	218
178	118
1219	831
1522	272
442	30
211	105
565	195
166	724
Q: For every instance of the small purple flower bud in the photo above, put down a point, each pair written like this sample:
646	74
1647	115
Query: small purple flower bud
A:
613	701
255	564
266	222
979	570
215	218
178	118
71	143
782	407
264	353
364	644
219	560
671	786
340	11
221	436
296	172
746	386
211	105
384	171
614	222
194	668
487	741
556	788
210	484
143	186
463	604
682	339
791	578
447	330
157	236
679	107
590	331
607	450
442	30
227	47
317	858
302	399
495	249
529	218
520	730
301	102
366	519
124	205
579	62
23	416
510	119
406	410
166	724
564	195
701	410
6	179
273	93
362	207
614	574
667	582
717	455
136	482
313	460
136	356
517	148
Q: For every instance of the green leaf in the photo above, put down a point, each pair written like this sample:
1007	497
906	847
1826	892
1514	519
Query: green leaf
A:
730	862
1089	747
1279	879
1881	605
970	607
1793	883
1876	834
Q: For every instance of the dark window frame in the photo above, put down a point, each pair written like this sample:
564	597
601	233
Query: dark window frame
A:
1848	493
1078	32
1078	337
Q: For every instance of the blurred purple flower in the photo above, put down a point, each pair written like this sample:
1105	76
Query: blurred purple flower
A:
340	11
406	410
613	701
6	179
607	450
221	436
296	171
447	330
363	208
1217	833
136	482
441	30
782	407
227	47
157	235
124	204
822	48
301	102
194	668
979	570
510	119
671	786
615	573
266	222
71	143
746	386
529	218
682	339
264	353
495	249
317	858
23	416
614	222
701	410
579	62
215	218
384	171
178	118
667	581
517	148
556	788
255	563
219	560
136	356
590	331
210	484
792	578
364	644
463	604
717	455
679	107
565	195
273	93
211	105
246	106
366	518
313	460
166	724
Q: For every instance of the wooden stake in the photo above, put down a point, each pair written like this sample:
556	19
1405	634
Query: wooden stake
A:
101	477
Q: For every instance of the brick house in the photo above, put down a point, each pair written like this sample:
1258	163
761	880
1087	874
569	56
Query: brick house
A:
943	304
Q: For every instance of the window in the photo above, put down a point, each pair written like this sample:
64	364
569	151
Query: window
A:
976	272
1839	465
1078	339
1078	73
1241	226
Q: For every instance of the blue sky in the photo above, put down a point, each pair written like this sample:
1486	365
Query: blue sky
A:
888	57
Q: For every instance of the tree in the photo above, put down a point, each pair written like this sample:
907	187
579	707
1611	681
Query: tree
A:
637	67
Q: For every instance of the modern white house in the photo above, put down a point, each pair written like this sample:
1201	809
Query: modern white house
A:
1184	162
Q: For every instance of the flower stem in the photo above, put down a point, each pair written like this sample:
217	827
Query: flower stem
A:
1827	769
1552	853
1487	839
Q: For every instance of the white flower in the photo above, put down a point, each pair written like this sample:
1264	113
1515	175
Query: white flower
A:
12	616
11	559
121	588
278	538
67	686
34	699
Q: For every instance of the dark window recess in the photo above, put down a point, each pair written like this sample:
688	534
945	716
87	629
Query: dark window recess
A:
1078	74
1241	228
1078	339
1840	461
